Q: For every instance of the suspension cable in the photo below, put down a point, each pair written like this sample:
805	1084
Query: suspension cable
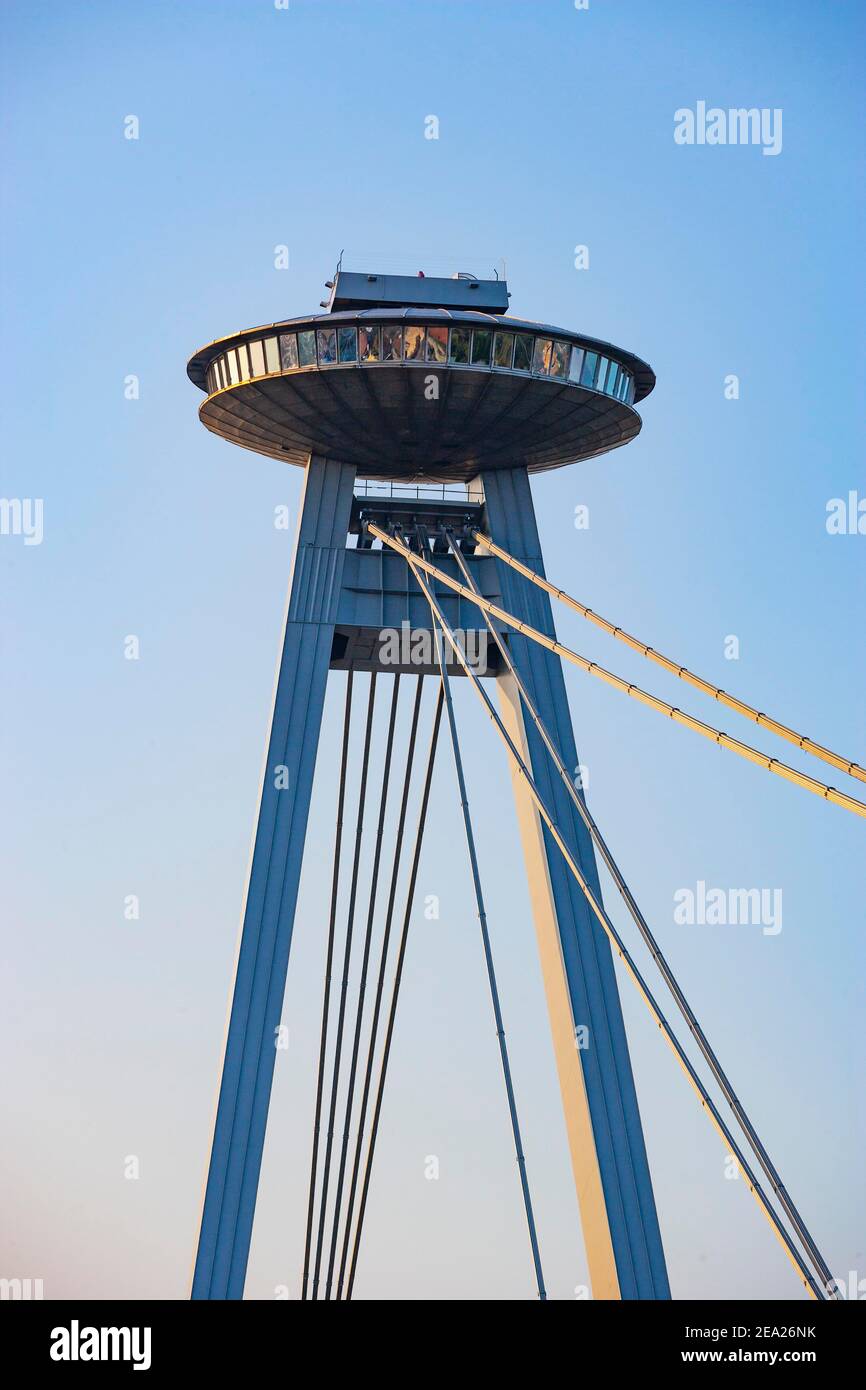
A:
416	564
401	955
753	755
323	1044
380	983
760	1152
491	972
368	938
347	955
808	745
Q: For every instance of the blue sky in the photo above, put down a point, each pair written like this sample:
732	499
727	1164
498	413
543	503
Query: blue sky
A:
305	127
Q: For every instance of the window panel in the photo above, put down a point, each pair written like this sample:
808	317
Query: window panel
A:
590	364
234	371
542	355
413	343
600	375
288	351
347	345
503	349
392	344
222	373
370	344
576	364
437	344
559	359
612	374
272	355
307	348
460	338
244	362
326	339
257	358
482	346
523	353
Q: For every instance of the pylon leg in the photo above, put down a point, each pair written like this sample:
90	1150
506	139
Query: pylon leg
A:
618	1214
269	910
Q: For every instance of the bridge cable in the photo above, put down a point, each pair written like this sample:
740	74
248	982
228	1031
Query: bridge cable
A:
347	955
368	939
808	745
398	975
380	983
754	755
707	1104
488	957
652	945
323	1045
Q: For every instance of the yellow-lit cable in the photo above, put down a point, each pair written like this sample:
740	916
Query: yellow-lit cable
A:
808	745
753	755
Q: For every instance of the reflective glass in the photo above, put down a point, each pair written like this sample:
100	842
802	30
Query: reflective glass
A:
257	358
603	365
234	373
348	347
482	344
559	359
542	355
576	364
369	349
459	345
222	375
392	344
629	391
272	355
244	360
413	344
288	352
503	349
307	348
437	344
590	362
522	353
612	374
327	341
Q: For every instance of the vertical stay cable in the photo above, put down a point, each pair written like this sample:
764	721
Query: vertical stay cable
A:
817	1260
488	957
323	1044
622	951
347	955
368	938
380	983
401	955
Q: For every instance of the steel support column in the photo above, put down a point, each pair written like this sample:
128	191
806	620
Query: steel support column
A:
618	1214
269	910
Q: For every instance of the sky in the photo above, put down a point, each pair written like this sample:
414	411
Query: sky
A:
261	127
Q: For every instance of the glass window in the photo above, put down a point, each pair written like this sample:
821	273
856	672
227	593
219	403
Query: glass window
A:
392	344
559	359
437	344
460	345
522	353
307	348
542	354
257	357
222	375
482	345
576	364
234	373
288	352
413	343
272	354
347	345
503	349
244	360
590	363
603	365
612	374
327	341
628	394
369	344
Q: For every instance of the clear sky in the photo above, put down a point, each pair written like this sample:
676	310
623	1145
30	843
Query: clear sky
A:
304	127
